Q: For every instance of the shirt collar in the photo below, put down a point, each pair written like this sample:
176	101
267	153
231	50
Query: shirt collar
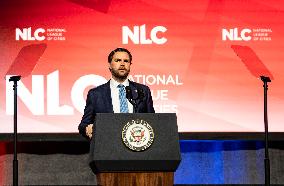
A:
114	83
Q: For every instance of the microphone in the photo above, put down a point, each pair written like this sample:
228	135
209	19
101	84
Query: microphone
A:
129	94
137	94
141	94
135	97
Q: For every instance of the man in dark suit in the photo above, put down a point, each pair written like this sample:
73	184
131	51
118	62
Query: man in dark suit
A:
111	96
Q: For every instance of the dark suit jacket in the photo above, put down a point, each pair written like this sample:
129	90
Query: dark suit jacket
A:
99	101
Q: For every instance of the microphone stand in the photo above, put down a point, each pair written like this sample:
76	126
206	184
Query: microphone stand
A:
135	102
266	159
15	79
129	96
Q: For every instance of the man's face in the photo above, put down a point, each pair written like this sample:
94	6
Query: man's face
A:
120	66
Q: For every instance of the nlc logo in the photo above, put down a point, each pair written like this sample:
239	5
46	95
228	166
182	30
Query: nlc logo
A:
234	35
139	35
27	35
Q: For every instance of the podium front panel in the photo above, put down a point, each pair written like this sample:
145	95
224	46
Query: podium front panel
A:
108	152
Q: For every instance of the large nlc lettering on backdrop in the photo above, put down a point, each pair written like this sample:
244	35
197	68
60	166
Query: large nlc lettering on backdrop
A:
201	59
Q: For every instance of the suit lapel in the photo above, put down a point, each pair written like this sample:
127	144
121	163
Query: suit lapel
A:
132	85
107	98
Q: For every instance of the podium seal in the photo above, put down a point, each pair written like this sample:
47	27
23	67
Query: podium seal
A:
137	135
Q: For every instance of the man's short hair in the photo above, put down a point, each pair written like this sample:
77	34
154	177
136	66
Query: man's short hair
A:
110	56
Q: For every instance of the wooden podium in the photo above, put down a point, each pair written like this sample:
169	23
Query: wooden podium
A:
136	178
116	164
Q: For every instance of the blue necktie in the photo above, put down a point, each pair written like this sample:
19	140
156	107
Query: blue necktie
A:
122	99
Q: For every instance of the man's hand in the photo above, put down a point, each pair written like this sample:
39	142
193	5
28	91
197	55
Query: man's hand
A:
89	130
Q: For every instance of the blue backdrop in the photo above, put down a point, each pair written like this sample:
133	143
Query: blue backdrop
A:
221	162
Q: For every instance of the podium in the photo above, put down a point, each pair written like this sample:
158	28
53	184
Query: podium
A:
123	152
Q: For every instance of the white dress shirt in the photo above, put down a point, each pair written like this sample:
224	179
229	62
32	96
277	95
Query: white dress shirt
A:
115	96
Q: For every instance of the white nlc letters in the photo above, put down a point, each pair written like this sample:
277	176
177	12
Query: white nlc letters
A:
139	35
233	34
34	100
26	34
